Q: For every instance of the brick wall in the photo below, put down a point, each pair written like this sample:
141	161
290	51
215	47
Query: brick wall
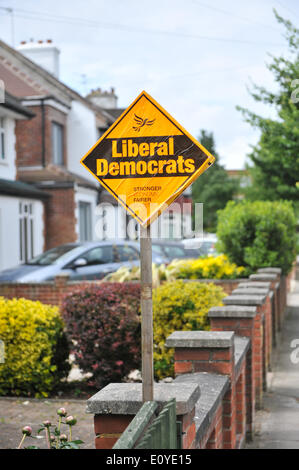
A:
29	139
63	225
60	217
212	352
29	136
228	365
225	367
46	292
214	436
109	428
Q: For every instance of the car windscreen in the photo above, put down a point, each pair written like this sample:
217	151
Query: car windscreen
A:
53	256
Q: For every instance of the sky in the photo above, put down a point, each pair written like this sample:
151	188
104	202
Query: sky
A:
196	58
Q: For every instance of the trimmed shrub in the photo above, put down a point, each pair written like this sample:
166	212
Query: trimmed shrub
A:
103	324
180	306
36	349
258	234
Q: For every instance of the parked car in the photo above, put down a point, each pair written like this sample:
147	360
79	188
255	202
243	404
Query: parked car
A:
205	246
88	260
173	250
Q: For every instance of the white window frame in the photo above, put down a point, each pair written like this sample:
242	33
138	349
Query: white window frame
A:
57	145
3	156
26	231
85	233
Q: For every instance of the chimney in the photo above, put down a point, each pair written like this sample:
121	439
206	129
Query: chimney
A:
43	53
104	99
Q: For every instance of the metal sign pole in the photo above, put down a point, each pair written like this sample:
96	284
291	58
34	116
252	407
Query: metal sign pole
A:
146	314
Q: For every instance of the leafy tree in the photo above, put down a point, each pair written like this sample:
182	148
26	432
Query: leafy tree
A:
214	188
276	156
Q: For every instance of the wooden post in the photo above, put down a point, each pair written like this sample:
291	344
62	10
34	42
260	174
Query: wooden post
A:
146	314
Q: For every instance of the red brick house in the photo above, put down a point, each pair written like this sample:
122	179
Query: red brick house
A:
49	146
21	204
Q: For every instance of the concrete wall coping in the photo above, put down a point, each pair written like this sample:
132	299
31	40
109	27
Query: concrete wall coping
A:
242	345
244	299
200	339
233	311
126	398
256	284
251	291
270	271
213	387
263	277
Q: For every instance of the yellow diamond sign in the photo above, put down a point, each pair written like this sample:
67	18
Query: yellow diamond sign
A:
146	159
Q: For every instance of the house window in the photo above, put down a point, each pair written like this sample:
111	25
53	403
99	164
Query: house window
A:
2	139
26	231
57	144
85	221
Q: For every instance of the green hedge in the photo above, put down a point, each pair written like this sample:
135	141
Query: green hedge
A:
258	234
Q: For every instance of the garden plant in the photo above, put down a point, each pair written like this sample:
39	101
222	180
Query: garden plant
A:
56	438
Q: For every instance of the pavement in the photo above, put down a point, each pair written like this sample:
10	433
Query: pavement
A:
277	424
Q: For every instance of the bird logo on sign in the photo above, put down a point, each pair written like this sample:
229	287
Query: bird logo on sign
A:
142	122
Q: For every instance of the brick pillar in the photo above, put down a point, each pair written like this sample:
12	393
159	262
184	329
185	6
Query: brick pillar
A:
258	301
241	405
243	320
281	288
216	438
275	286
209	351
265	285
61	280
109	428
115	405
267	343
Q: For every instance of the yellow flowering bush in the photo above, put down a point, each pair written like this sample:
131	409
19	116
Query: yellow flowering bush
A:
35	346
212	267
180	306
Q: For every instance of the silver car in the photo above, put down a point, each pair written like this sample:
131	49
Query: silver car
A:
88	260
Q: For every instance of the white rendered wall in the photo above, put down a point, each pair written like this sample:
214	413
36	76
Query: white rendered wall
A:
38	211
9	230
8	166
81	136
